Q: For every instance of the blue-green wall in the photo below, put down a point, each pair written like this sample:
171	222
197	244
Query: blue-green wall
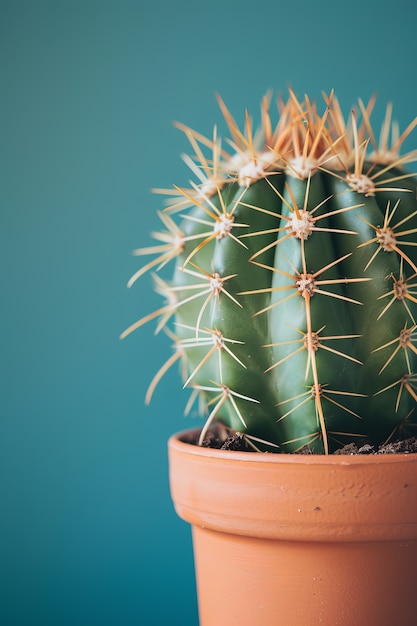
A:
89	91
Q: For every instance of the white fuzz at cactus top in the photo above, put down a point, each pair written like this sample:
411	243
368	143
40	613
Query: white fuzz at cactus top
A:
361	184
209	188
385	157
301	167
256	168
250	173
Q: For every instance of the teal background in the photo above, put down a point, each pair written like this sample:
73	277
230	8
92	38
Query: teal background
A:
89	91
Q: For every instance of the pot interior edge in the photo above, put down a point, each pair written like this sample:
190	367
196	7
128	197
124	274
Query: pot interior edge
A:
177	440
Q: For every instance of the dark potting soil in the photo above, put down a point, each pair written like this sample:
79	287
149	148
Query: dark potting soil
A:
406	446
220	438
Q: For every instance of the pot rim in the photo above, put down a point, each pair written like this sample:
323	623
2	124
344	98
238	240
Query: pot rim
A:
176	441
334	498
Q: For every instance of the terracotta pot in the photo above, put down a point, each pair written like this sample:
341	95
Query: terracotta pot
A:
299	540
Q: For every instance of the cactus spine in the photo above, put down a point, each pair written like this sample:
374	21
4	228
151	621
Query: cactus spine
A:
293	302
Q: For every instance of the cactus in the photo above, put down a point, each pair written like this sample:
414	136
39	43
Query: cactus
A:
292	306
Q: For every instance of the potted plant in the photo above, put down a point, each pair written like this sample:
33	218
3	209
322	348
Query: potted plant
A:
292	311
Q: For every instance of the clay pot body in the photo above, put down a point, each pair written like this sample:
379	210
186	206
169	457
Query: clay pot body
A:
299	540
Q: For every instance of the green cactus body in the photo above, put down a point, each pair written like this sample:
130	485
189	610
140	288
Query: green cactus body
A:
294	293
225	320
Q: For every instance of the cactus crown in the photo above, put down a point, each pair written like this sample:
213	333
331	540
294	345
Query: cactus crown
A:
292	306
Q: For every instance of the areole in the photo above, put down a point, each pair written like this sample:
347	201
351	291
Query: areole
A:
299	540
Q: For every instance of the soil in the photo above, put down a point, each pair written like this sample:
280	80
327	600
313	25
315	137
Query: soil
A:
220	438
405	446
